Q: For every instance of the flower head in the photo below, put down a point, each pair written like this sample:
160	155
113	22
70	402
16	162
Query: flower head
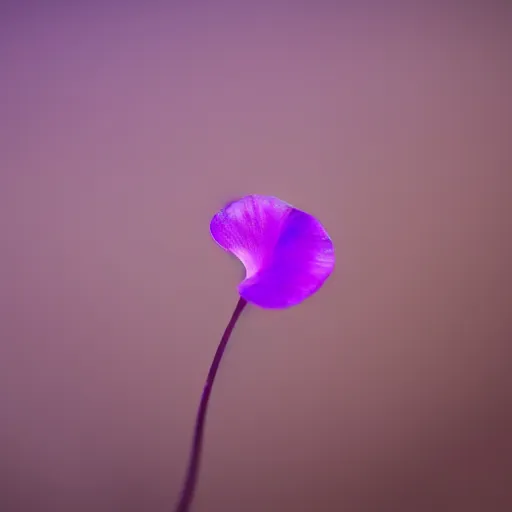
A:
287	253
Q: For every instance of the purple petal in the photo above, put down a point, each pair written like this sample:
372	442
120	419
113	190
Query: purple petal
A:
286	252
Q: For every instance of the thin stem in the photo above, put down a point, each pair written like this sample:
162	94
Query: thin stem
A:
195	455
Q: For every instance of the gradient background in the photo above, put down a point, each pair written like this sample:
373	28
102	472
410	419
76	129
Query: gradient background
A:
125	128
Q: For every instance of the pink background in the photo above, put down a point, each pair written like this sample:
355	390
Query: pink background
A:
123	129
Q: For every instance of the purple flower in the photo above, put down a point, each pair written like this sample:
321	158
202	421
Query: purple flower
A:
287	255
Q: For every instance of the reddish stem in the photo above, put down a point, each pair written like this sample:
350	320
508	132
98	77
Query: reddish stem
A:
189	486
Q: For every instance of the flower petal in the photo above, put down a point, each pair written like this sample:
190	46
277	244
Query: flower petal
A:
286	252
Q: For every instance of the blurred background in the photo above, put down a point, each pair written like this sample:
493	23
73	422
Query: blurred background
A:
125	126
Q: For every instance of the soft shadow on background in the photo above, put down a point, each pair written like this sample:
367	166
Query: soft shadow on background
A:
124	127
